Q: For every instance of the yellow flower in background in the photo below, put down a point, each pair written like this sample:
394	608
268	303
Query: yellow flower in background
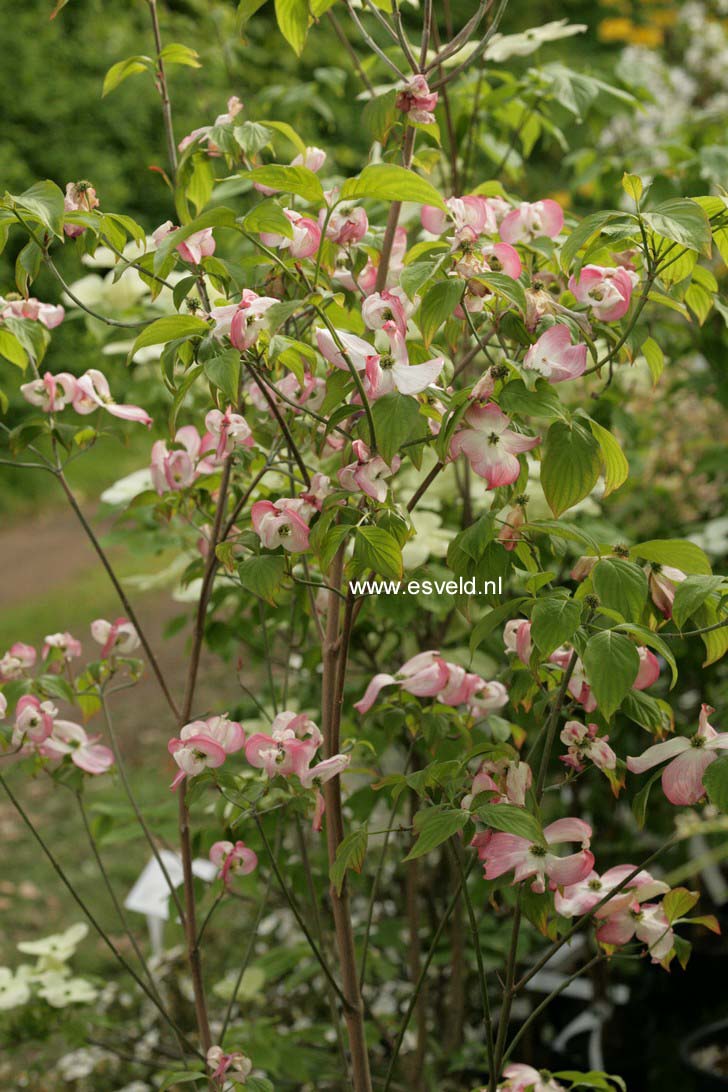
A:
615	30
563	197
624	30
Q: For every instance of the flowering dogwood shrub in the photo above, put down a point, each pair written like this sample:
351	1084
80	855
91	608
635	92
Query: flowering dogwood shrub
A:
336	349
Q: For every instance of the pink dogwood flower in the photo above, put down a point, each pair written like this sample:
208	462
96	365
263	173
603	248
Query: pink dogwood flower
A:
84	751
181	467
117	637
389	306
51	393
554	357
305	239
359	353
469	216
233	859
92	392
424	676
234	106
532	220
33	721
289	748
606	289
393	371
276	525
80	197
646	921
517	638
508	779
524	1078
312	158
229	429
235	1067
205	743
368	473
490	446
510	533
662	581
48	314
416	100
199	245
489	698
583	743
580	898
16	661
246	321
682	778
317	492
346	225
68	646
501	853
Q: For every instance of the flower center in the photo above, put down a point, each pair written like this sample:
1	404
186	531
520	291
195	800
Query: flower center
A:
494	438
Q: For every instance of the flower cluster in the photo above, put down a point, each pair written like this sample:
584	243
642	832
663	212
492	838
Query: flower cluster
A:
50	979
427	675
52	393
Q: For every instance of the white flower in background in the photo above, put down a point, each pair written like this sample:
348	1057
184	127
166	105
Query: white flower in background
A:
125	489
14	989
431	539
81	1063
105	258
56	949
503	46
59	989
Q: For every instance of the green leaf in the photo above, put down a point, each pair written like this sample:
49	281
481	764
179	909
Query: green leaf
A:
376	549
678	902
268	216
223	371
640	800
715	780
350	853
395	419
292	19
262	574
123	69
582	234
655	358
512	820
438	305
682	221
612	662
652	713
181	1076
503	285
44	202
691	594
542	401
434	826
494	618
632	185
246	9
621	586
380	115
391	183
571	465
12	350
168	328
616	467
177	53
285	130
554	621
673	551
299	180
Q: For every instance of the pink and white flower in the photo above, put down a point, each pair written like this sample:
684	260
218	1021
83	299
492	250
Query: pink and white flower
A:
345	225
532	220
69	739
304	241
51	393
50	315
606	289
510	533
199	245
92	392
416	100
554	357
369	473
392	371
490	446
14	664
65	643
424	676
389	306
345	346
229	430
246	321
205	743
508	779
180	468
469	216
276	524
235	1067
80	197
116	638
689	758
501	853
524	1078
33	721
233	859
662	581
632	918
580	898
234	106
584	743
487	699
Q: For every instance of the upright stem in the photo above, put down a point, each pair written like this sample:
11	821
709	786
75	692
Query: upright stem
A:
390	231
163	90
335	654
